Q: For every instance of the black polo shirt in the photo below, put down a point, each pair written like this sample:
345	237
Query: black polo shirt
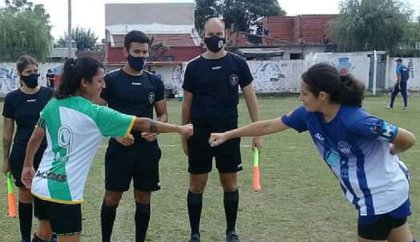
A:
215	84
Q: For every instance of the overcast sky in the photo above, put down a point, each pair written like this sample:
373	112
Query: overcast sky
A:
91	13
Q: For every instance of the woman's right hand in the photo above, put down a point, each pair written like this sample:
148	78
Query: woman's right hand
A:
5	167
217	139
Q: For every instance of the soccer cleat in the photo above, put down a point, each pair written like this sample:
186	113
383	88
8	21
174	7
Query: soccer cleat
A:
194	237
232	236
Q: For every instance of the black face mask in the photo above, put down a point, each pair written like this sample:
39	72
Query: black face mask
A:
30	81
136	63
214	43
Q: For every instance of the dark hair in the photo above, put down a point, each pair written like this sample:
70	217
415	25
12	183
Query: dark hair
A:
74	71
136	37
344	90
24	61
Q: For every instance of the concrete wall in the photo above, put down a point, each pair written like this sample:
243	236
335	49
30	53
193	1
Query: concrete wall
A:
269	76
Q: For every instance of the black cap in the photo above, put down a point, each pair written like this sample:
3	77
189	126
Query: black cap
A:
398	60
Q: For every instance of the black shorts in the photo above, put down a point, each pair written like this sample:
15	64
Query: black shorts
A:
16	159
228	155
379	227
65	219
138	162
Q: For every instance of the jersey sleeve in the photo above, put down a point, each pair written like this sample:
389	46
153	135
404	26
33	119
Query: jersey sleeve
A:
187	84
371	127
113	123
296	119
8	109
246	75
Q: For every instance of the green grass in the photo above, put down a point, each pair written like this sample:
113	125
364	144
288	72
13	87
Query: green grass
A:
300	201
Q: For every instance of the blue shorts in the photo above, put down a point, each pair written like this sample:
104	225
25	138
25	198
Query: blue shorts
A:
378	227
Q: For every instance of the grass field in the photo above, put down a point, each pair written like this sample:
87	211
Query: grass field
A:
300	201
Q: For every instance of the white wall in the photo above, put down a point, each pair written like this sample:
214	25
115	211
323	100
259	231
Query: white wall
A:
269	76
9	80
414	81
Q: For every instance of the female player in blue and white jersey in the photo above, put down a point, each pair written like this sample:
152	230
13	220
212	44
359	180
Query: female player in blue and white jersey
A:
74	126
359	148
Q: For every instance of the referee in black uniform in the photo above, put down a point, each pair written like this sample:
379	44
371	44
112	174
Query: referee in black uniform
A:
132	90
211	97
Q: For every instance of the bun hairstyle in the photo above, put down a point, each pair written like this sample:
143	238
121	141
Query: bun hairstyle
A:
344	89
74	71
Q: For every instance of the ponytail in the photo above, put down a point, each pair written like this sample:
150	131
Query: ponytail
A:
74	71
352	91
344	90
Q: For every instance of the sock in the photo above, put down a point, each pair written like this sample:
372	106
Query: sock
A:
142	218
195	204
108	214
231	202
25	220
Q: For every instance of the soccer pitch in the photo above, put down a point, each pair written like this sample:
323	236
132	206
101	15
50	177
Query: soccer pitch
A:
300	199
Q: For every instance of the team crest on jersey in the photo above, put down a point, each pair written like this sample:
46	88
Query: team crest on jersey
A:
344	147
234	79
151	97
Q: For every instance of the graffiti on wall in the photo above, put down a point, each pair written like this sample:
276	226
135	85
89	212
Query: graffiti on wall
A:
8	79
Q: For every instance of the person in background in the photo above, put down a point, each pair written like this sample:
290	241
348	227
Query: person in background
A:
21	110
401	84
210	103
135	91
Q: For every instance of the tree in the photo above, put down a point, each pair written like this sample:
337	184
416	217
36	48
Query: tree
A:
24	29
204	9
370	24
85	39
239	14
411	40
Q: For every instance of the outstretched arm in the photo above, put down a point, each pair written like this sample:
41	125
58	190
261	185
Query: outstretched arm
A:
153	126
259	128
402	141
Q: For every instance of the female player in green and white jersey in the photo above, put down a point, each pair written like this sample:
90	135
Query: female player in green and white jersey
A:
74	126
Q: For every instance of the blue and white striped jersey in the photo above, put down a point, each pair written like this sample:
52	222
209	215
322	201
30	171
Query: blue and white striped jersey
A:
355	145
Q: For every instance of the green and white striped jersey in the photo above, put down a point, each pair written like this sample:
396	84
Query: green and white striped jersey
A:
75	128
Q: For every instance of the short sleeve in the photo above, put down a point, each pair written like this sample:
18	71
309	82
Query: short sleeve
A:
160	94
296	119
246	75
113	123
187	84
105	91
8	109
371	127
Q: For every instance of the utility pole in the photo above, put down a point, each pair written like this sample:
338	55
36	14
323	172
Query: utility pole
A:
69	30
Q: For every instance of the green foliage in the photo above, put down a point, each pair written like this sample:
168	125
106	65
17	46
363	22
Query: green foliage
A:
410	45
24	29
85	39
370	24
241	14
